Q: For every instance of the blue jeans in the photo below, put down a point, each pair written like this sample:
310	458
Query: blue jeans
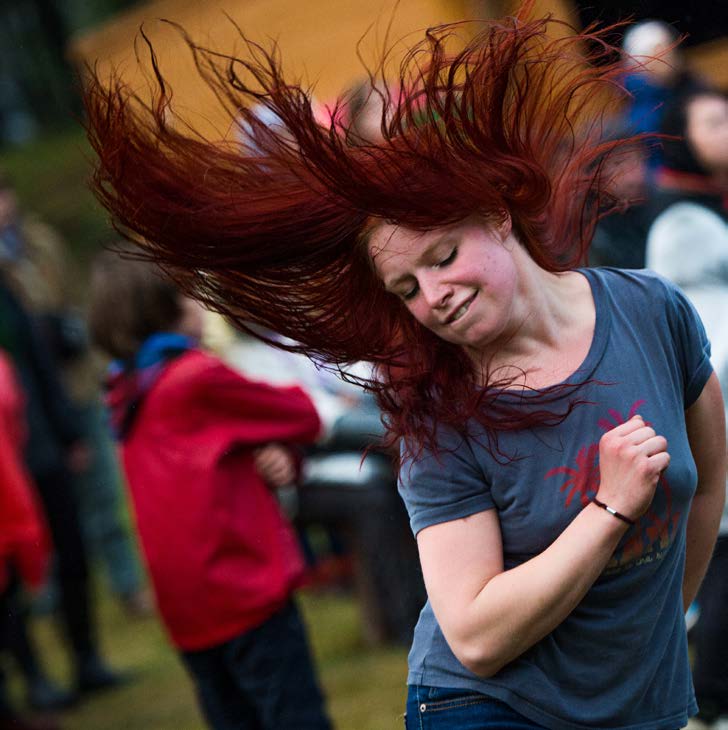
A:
435	708
263	679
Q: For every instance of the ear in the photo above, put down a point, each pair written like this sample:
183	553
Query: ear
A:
504	226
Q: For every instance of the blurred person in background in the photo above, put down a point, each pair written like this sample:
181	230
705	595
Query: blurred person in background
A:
202	446
655	74
354	501
24	542
620	238
694	172
38	267
657	79
688	243
55	451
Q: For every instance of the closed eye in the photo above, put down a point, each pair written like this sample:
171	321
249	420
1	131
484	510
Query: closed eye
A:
411	293
447	260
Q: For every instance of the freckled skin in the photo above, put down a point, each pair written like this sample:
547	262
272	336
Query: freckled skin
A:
437	272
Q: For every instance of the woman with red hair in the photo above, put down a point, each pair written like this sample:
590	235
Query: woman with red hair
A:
561	432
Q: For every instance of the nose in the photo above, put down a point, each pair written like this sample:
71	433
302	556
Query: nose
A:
435	292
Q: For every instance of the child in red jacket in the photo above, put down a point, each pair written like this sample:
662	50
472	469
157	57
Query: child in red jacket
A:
223	560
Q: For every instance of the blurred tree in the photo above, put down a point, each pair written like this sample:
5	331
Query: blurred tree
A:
37	85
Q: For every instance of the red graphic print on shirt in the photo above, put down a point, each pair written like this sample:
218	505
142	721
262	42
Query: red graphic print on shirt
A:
617	419
647	540
584	479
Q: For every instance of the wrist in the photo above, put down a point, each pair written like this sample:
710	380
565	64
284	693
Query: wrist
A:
610	528
617	515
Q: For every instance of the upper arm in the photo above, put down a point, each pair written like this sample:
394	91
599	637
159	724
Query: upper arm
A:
705	421
453	514
260	412
458	559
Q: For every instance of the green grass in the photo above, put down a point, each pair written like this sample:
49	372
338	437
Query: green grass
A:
364	686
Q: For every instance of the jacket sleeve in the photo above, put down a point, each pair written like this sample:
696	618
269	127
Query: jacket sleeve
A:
257	413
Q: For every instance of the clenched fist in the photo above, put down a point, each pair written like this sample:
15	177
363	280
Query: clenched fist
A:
631	458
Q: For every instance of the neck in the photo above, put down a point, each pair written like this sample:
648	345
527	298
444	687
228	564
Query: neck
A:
549	310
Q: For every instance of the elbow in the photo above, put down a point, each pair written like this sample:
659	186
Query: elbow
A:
478	657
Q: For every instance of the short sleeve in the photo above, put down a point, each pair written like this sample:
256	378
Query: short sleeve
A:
445	486
693	346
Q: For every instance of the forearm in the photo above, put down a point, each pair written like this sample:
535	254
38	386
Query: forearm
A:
518	607
702	531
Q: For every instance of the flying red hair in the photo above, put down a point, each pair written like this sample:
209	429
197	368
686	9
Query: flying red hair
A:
275	234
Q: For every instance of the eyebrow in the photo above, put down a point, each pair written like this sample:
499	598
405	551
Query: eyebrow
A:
396	282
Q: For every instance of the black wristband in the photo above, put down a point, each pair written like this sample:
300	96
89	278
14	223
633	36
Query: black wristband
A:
612	511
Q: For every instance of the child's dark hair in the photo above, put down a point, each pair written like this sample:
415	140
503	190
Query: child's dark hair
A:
130	300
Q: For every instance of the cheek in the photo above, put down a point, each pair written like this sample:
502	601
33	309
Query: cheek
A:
498	274
699	141
713	150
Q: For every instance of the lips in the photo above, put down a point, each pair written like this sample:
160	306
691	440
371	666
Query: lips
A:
461	310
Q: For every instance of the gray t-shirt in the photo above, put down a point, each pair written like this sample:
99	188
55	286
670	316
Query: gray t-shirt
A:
620	659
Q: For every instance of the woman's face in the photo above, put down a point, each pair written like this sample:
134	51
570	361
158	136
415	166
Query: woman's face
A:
458	281
707	131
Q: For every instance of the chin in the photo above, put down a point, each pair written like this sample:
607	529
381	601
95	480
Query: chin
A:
473	338
481	342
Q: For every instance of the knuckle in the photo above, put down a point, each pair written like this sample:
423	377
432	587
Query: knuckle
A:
624	449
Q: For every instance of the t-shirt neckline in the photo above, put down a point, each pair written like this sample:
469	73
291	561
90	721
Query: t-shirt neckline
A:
602	323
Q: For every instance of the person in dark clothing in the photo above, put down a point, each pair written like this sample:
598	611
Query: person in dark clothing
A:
695	162
10	719
54	449
38	269
619	239
655	77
